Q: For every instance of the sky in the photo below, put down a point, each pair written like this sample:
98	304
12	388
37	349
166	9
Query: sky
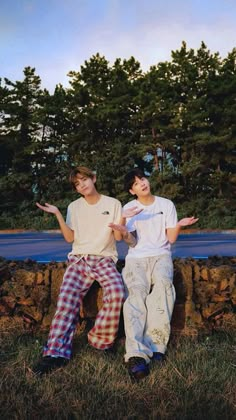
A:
57	36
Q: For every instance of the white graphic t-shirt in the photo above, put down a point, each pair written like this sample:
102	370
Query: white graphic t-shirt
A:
150	226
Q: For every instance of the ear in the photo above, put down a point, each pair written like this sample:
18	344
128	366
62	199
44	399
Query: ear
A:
94	179
131	191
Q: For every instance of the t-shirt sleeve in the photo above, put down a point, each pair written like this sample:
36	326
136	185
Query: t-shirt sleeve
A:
118	212
130	221
130	225
69	217
171	219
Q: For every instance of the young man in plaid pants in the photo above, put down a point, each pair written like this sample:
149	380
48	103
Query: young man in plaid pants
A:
93	257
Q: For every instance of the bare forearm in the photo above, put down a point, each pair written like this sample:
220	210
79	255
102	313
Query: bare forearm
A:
173	233
119	236
129	239
67	232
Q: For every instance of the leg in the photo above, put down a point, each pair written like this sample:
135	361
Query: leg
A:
105	329
138	284
75	285
160	304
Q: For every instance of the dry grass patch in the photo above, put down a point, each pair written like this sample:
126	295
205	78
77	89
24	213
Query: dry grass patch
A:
198	381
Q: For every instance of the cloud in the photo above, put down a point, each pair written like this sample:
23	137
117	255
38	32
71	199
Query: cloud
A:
59	35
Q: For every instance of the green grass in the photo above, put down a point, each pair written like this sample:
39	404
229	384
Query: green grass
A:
198	381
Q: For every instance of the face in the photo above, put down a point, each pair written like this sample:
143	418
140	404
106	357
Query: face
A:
85	185
140	187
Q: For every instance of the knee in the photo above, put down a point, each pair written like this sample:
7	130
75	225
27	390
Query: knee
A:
137	294
135	304
116	293
120	294
166	283
164	288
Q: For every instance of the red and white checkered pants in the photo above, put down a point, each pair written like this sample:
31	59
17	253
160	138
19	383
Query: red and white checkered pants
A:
78	278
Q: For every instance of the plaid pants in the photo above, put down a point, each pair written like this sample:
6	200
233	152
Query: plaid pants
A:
79	276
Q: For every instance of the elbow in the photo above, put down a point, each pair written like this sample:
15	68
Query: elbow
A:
172	240
69	236
69	239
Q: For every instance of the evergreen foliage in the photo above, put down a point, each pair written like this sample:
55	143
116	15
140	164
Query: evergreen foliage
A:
176	122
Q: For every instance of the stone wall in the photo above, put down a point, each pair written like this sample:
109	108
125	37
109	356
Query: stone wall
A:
205	293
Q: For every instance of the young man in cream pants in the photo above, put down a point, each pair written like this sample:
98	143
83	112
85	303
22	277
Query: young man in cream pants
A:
148	274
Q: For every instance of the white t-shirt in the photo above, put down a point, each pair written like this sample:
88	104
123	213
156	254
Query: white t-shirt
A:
90	225
150	226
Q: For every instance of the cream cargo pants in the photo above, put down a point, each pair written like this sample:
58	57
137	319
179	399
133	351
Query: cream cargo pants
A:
149	305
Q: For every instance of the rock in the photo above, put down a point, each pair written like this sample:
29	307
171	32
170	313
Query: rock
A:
183	281
223	284
205	274
220	298
5	273
56	280
217	274
196	272
7	305
24	277
92	302
213	309
205	293
233	297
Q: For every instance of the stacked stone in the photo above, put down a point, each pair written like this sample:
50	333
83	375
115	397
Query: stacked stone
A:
205	293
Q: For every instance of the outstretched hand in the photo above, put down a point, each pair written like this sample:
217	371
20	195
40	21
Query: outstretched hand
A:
131	212
187	221
48	208
117	227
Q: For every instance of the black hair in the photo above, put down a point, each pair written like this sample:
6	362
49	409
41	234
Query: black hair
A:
130	178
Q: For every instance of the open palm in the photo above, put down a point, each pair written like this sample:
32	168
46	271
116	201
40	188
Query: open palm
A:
117	227
187	221
48	208
131	212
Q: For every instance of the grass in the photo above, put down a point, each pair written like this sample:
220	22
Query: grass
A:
198	381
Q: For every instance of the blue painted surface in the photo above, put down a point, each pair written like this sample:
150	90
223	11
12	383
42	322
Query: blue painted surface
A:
50	246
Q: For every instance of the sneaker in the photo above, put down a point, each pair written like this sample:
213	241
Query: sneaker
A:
49	363
137	368
158	357
110	352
